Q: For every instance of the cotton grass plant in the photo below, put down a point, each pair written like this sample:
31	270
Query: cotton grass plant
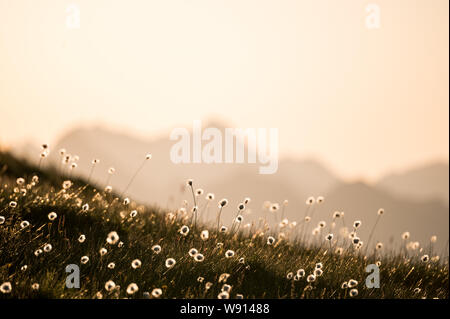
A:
127	250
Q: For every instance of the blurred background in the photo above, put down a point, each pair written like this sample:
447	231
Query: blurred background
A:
358	90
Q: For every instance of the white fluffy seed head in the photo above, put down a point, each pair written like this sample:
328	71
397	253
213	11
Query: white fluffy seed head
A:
112	238
229	253
170	262
132	288
156	249
135	264
110	285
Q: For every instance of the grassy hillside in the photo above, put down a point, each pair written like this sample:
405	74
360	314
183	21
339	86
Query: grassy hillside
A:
33	269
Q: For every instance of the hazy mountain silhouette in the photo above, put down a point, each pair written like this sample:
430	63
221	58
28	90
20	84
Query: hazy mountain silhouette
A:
425	182
162	182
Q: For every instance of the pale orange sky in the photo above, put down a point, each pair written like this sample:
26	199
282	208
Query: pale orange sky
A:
364	102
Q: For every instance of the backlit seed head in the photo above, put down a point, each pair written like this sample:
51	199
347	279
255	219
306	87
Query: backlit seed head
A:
199	257
319	266
5	288
204	235
239	219
223	229
208	285
274	207
184	230
95	161
12	204
336	215
200	279
224	277
229	253
24	267
156	249
289	275
219	245
133	213
433	239
156	293
379	246
48	248
405	235
37	252
223	203
67	184
102	251
247	200
24	224
85	207
193	252
307	219
329	237
311	278
356	224
132	288
356	240
425	258
320	199
241	206
126	201
242	260
111	265
111	170
82	238
223	295
380	211
84	260
239	296
52	216
301	273
270	240
189	182
352	283
2	220
226	288
148	156
170	262
318	272
112	238
110	285
344	285
322	224
310	201
135	264
353	292
20	181
35	286
210	196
